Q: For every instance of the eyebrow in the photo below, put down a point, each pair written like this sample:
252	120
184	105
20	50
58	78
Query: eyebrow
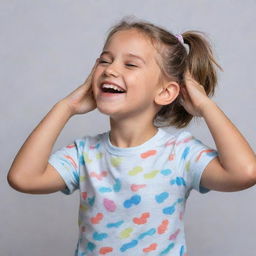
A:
128	54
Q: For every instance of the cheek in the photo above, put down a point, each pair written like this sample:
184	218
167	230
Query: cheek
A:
151	80
96	76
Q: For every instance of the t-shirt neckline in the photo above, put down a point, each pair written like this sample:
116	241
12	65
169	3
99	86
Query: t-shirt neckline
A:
150	143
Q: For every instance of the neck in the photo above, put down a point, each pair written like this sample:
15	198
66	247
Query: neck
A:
129	133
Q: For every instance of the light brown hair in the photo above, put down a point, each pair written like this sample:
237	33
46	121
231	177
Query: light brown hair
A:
175	61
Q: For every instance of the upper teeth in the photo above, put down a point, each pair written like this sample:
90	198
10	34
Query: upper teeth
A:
112	86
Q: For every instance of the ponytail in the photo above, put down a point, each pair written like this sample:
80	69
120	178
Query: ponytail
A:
201	64
200	61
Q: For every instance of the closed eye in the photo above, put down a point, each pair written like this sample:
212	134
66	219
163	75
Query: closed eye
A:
130	65
103	61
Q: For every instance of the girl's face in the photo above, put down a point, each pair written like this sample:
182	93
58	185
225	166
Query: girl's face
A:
128	64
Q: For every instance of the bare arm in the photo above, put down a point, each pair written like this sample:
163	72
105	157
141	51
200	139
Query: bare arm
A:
30	171
235	167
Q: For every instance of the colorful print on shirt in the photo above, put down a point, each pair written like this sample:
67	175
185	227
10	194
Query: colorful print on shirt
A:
132	200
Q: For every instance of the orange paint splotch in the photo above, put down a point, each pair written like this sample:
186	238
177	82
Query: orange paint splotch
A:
163	227
97	218
70	146
105	250
150	248
135	187
142	219
84	195
171	157
203	151
98	176
72	161
148	153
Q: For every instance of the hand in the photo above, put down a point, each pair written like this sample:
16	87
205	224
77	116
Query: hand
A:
193	96
82	100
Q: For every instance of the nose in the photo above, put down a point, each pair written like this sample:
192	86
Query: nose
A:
111	70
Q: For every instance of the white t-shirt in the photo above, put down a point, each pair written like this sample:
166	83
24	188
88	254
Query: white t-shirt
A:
132	200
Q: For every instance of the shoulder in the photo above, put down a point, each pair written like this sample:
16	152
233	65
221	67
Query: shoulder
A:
90	141
180	138
185	143
184	135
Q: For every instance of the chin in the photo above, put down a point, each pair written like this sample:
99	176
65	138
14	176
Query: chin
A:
109	112
104	110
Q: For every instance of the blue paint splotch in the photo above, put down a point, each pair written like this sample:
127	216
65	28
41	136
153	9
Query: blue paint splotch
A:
182	250
165	251
133	200
81	160
171	209
150	232
81	144
179	181
161	197
117	185
115	224
166	172
99	236
91	200
127	246
105	190
91	246
185	153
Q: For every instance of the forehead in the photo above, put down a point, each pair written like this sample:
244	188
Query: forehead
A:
131	41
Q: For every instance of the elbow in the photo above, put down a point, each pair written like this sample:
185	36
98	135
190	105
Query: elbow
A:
24	184
15	182
12	181
250	174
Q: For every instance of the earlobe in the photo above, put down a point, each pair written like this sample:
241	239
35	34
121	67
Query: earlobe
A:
167	93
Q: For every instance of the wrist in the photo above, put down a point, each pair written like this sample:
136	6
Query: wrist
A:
65	107
206	106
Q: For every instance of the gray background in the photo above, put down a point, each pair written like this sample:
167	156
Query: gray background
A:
47	49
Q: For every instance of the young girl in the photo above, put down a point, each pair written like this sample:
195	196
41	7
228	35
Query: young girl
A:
134	179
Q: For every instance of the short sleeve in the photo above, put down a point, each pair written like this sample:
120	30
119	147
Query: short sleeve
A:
194	157
66	162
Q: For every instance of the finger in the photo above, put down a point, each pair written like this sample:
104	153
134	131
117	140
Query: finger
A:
184	96
184	91
89	78
94	67
187	75
96	63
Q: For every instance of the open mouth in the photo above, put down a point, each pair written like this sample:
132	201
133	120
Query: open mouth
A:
109	88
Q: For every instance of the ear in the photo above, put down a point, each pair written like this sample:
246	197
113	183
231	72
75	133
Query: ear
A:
167	93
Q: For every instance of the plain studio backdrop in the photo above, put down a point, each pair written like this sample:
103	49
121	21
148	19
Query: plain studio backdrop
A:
47	49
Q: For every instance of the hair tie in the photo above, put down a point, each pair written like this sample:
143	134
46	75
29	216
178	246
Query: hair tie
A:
180	38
